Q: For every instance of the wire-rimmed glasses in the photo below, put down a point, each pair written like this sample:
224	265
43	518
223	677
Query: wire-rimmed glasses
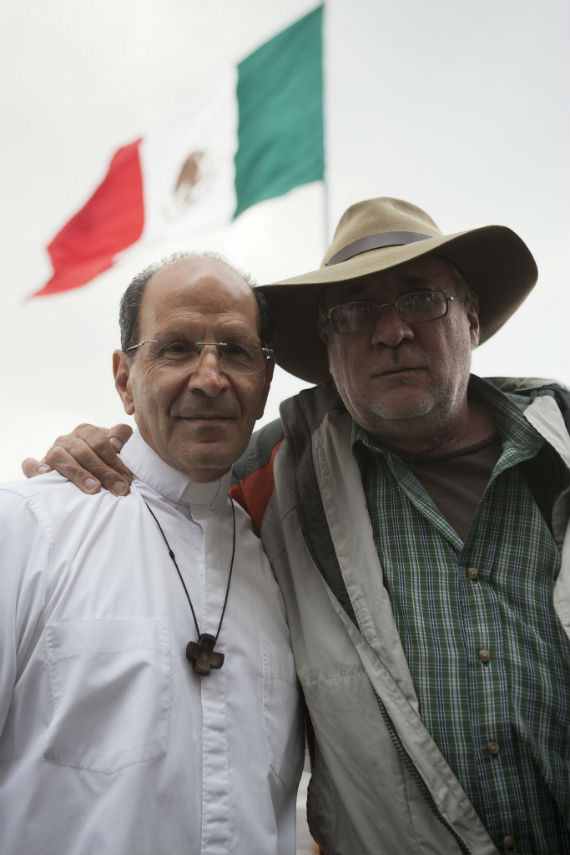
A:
415	308
239	356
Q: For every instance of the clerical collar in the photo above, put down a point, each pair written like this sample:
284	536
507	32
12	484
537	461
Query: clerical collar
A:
170	483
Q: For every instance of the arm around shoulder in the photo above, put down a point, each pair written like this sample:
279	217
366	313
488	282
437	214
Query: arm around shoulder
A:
88	456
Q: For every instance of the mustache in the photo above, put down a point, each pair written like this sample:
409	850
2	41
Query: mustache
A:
397	360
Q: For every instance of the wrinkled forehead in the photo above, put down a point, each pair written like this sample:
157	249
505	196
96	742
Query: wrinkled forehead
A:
430	271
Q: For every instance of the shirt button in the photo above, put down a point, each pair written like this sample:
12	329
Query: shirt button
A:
493	747
484	655
509	841
472	573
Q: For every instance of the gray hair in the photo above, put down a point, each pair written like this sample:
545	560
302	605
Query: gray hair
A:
129	311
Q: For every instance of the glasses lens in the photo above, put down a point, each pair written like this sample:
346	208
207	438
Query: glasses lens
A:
422	306
353	317
241	357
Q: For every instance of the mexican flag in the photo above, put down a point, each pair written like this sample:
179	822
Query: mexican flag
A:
254	133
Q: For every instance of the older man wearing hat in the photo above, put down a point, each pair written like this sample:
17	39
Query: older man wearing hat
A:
415	516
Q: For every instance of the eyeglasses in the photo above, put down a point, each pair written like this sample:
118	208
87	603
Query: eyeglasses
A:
240	356
415	308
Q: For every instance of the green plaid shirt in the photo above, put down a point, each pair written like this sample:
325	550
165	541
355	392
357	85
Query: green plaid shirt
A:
488	657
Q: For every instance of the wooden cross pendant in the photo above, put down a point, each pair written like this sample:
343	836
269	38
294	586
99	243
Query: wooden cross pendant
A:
203	656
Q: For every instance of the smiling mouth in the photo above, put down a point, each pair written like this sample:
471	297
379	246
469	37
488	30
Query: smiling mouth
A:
209	417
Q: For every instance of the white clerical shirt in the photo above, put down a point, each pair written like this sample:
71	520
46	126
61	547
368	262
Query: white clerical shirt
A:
109	742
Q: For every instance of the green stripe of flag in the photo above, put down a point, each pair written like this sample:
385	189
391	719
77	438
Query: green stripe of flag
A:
280	104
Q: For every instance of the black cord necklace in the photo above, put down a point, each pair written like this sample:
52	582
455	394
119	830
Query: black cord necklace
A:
201	653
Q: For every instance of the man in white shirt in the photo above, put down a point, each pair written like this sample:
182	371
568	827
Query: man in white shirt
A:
148	697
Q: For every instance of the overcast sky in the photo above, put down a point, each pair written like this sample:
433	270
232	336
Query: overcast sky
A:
458	107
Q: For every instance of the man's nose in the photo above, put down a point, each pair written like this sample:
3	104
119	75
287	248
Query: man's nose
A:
391	330
207	375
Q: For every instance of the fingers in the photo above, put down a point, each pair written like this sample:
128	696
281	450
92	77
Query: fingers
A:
87	458
118	435
32	467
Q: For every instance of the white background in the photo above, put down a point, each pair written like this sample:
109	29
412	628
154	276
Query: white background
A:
458	107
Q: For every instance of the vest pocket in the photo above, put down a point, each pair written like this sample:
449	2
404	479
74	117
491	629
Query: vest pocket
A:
110	687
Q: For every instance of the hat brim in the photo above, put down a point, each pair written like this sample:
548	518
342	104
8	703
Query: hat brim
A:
494	261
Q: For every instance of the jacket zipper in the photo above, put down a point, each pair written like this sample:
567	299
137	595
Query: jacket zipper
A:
417	778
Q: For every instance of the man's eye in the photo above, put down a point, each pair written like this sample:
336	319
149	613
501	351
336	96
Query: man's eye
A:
420	298
363	308
178	348
234	348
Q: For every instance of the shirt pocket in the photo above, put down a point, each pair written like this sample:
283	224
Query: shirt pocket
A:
110	682
282	716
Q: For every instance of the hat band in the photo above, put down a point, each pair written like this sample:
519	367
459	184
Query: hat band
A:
375	242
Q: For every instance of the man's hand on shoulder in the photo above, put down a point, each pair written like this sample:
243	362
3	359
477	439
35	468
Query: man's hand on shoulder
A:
87	457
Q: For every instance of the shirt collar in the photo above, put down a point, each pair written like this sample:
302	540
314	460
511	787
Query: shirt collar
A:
146	465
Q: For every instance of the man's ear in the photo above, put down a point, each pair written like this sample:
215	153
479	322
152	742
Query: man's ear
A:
473	318
268	376
122	375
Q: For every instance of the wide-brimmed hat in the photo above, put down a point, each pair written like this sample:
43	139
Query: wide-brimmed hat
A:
379	234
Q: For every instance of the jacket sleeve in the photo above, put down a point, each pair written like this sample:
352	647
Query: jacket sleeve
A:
253	480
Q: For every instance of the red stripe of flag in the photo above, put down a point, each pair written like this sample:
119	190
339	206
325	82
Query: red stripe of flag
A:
108	223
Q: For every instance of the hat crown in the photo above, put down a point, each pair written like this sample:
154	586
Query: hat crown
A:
376	216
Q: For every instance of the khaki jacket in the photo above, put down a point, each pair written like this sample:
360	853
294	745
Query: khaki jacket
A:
380	784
